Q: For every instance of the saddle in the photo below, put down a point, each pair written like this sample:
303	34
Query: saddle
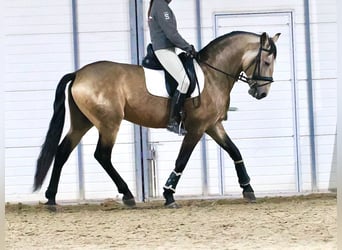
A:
150	61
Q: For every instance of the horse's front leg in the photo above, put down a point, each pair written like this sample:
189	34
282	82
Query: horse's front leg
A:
220	136
188	145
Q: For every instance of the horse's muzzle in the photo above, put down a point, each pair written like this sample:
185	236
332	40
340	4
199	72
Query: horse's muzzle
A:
255	93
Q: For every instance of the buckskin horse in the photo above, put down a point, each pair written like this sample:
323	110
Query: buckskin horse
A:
104	93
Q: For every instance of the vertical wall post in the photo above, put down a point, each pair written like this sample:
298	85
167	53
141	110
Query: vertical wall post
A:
203	140
294	83
140	133
310	95
75	39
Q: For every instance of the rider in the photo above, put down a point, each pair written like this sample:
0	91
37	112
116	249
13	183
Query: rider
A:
165	39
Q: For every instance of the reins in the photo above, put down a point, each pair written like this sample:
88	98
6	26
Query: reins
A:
251	81
219	70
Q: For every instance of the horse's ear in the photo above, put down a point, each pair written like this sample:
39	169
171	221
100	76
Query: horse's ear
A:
264	38
276	36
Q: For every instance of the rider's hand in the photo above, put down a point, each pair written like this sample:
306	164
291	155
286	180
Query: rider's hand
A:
191	51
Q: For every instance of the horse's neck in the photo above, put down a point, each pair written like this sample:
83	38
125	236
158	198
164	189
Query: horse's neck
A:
228	60
232	58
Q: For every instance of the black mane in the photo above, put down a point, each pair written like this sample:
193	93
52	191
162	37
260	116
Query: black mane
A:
203	52
220	38
273	49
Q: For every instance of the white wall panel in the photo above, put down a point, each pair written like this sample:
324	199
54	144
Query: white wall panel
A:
324	72
104	31
37	17
38	53
270	164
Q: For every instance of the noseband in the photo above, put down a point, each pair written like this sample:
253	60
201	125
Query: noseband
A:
252	81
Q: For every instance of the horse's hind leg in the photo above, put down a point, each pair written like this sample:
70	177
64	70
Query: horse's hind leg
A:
220	136
63	152
103	154
78	127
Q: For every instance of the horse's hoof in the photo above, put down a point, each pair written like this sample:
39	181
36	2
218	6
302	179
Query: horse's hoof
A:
129	202
172	205
249	197
52	208
51	205
51	202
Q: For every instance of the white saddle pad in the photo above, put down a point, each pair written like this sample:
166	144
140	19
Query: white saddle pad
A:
155	82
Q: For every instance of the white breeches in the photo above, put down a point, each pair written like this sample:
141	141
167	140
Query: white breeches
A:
170	61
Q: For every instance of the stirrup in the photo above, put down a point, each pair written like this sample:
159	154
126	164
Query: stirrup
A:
181	129
176	128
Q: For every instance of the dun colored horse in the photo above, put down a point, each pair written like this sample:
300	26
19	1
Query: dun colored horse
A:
104	93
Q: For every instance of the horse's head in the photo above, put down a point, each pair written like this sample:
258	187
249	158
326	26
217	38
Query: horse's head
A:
258	65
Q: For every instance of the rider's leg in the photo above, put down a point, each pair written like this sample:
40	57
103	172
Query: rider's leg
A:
170	61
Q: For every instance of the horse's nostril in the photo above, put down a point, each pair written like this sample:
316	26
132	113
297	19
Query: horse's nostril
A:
262	95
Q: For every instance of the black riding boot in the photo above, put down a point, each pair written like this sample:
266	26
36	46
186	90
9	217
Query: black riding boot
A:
177	103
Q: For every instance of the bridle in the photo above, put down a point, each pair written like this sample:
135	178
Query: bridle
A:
251	81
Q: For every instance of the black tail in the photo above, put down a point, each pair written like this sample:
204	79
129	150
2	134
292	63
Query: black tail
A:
54	133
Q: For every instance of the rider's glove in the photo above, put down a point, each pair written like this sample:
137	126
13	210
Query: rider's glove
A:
191	51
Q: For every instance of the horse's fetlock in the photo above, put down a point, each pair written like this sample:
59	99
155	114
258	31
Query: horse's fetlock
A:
247	188
123	189
50	194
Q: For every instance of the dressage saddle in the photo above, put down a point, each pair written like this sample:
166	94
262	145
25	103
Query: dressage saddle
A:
151	61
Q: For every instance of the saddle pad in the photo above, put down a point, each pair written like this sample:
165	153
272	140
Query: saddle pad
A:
155	82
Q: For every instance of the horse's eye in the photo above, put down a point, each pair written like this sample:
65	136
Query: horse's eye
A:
267	64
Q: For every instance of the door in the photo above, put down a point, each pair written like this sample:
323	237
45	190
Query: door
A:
264	130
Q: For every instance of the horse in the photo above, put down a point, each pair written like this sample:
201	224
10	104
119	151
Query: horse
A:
103	93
